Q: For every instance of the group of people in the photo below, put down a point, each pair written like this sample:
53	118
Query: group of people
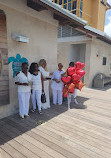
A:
34	82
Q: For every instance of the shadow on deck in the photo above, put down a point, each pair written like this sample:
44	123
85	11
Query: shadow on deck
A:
12	126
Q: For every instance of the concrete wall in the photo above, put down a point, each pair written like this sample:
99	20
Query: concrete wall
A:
102	49
77	52
63	54
41	28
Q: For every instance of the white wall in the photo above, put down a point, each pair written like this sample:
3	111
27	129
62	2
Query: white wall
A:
103	49
77	52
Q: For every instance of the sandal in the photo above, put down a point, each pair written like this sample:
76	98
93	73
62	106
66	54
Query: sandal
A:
40	112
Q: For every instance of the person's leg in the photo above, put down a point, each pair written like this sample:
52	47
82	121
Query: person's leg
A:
38	98
27	99
54	92
33	96
59	97
75	95
69	100
21	97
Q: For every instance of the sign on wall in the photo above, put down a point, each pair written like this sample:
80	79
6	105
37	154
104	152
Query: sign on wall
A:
17	63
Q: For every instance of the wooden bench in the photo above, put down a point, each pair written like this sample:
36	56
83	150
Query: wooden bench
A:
100	80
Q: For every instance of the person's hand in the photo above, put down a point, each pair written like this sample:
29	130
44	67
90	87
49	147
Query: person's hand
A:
51	73
25	84
57	81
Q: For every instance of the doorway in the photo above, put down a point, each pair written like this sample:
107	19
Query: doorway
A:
77	53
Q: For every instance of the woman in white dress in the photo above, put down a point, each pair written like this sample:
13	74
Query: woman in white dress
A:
23	80
57	85
45	74
37	86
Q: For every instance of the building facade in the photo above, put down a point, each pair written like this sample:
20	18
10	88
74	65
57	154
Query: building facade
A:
92	11
76	46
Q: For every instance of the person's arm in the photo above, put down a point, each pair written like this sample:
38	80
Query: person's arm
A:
44	73
17	81
22	84
42	79
53	78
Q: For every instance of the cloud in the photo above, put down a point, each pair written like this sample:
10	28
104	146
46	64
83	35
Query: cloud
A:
109	1
107	29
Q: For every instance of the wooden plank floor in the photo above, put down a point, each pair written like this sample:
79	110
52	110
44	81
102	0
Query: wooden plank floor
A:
84	131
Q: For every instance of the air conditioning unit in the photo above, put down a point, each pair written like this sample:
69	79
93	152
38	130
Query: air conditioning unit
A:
20	38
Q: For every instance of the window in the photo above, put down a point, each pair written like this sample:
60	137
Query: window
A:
74	6
81	6
60	2
65	4
104	60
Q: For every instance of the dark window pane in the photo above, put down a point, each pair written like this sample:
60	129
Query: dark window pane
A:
65	6
69	6
65	1
104	60
74	12
60	2
74	5
81	6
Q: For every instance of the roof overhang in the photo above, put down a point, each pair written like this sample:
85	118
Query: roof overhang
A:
108	5
62	15
65	17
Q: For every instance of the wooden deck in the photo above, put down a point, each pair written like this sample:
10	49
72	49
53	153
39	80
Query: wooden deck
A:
82	132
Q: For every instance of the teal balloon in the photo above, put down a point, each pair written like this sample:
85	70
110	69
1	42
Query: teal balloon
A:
17	63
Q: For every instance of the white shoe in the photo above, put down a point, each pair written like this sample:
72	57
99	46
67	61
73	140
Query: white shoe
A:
75	102
22	117
27	115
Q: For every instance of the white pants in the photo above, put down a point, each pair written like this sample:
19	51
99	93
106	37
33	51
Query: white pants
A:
71	94
46	90
57	96
24	98
36	97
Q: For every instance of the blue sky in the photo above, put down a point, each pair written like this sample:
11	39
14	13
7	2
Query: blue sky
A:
108	21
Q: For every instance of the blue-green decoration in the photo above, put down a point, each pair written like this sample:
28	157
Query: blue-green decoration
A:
17	63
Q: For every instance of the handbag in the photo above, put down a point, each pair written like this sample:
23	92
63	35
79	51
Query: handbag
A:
43	98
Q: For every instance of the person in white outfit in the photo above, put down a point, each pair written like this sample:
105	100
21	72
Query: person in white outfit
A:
46	75
23	80
57	85
37	86
71	64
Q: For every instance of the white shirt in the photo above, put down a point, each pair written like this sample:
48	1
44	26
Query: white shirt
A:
36	81
57	75
44	73
22	78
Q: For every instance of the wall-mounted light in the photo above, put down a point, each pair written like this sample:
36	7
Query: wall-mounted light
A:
20	38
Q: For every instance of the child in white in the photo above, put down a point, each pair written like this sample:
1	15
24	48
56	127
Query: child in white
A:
57	85
23	79
37	86
71	64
